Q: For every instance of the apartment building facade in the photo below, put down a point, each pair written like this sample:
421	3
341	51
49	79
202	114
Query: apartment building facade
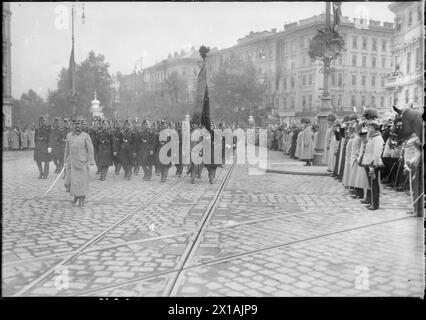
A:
405	83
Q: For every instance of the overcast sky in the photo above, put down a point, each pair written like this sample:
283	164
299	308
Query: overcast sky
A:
125	32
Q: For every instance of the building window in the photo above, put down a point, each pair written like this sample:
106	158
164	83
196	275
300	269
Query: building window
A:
363	101
354	79
397	63
285	83
383	62
354	60
364	44
340	81
410	18
292	82
382	102
284	104
374	47
418	57
304	80
304	102
373	101
333	79
407	96
382	81
310	102
292	103
339	100
416	95
384	43
408	62
363	81
364	61
353	101
354	42
373	81
340	59
310	79
373	62
398	24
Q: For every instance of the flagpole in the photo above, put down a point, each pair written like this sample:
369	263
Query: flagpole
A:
73	65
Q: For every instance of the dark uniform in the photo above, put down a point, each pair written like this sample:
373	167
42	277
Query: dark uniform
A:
146	145
57	142
127	151
179	166
137	132
41	152
116	136
105	149
164	168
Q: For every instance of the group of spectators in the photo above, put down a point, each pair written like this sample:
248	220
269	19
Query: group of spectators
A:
18	139
361	152
298	141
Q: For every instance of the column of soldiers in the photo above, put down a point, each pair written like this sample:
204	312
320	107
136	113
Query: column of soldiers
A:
127	145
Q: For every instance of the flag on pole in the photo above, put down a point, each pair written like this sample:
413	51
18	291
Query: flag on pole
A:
71	71
203	92
337	13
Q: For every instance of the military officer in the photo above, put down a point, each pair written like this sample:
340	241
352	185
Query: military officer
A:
105	148
146	150
42	151
137	132
116	136
57	140
163	167
127	152
179	166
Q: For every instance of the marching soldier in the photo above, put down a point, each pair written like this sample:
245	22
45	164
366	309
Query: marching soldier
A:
164	168
42	151
105	148
157	129
179	166
57	142
137	133
116	136
146	150
127	152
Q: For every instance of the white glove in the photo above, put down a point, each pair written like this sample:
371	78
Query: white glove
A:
49	150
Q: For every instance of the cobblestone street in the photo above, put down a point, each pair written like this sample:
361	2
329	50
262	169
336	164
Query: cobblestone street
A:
267	235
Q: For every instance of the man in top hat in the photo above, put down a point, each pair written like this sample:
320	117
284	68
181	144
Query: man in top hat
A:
42	151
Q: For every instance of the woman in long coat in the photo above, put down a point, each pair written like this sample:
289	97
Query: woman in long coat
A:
306	151
79	154
24	138
299	143
31	138
361	180
347	170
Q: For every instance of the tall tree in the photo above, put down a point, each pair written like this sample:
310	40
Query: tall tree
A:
28	108
91	75
236	92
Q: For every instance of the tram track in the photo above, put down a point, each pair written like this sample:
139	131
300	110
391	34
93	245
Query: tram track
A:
172	286
95	239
